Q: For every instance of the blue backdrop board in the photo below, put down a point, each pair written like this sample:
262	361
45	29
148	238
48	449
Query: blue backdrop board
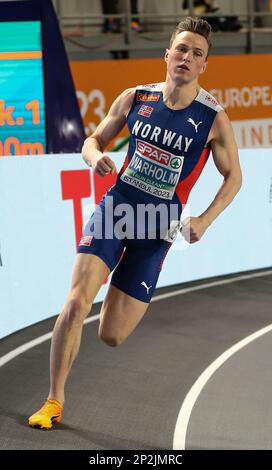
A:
37	231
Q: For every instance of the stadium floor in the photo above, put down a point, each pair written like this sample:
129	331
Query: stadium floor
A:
130	397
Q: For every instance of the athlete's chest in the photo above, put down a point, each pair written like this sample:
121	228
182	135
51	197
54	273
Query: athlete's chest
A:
178	130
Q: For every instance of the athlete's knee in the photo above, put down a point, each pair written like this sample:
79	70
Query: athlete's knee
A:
75	310
109	338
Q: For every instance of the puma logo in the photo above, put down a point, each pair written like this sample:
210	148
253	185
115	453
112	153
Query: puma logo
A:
191	121
147	288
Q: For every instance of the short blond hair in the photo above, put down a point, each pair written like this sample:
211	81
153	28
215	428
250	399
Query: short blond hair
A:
194	25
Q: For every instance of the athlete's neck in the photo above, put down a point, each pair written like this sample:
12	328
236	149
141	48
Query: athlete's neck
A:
178	97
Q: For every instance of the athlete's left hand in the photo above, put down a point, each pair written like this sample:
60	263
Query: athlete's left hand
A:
192	229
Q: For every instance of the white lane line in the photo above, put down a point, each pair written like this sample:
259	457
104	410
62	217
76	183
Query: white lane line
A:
179	440
243	277
35	342
31	344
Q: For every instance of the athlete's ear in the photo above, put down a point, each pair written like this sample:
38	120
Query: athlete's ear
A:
166	55
204	67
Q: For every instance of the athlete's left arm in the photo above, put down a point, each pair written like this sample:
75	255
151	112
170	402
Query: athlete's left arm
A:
225	155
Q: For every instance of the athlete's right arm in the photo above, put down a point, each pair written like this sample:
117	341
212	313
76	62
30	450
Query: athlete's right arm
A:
94	145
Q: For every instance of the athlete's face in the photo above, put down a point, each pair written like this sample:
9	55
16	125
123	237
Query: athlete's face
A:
187	57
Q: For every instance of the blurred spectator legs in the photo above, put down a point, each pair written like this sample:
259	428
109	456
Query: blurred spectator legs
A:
263	5
113	25
135	23
229	23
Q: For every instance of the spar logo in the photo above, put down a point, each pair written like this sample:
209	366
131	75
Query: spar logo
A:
154	153
175	163
158	155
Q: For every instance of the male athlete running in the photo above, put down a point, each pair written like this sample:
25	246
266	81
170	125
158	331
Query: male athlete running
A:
173	127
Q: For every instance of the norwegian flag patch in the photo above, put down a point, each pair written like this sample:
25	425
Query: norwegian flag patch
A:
85	241
145	110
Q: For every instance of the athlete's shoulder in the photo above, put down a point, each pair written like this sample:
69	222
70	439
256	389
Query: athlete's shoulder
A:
209	100
127	94
123	102
151	87
221	129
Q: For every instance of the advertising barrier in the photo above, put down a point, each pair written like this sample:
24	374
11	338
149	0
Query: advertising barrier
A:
44	201
241	83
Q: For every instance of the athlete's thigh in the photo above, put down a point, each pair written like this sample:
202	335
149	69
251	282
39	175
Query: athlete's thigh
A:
138	271
132	286
88	275
98	251
120	314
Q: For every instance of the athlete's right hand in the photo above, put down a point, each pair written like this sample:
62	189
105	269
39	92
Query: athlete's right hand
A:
103	166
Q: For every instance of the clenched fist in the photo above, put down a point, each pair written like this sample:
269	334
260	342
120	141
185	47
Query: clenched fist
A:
193	229
104	165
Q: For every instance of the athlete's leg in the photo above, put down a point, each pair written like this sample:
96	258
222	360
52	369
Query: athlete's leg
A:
119	316
132	286
97	256
88	275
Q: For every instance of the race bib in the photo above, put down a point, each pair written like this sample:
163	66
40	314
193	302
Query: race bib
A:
153	170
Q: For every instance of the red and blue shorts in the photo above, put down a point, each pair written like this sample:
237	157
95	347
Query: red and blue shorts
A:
136	263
